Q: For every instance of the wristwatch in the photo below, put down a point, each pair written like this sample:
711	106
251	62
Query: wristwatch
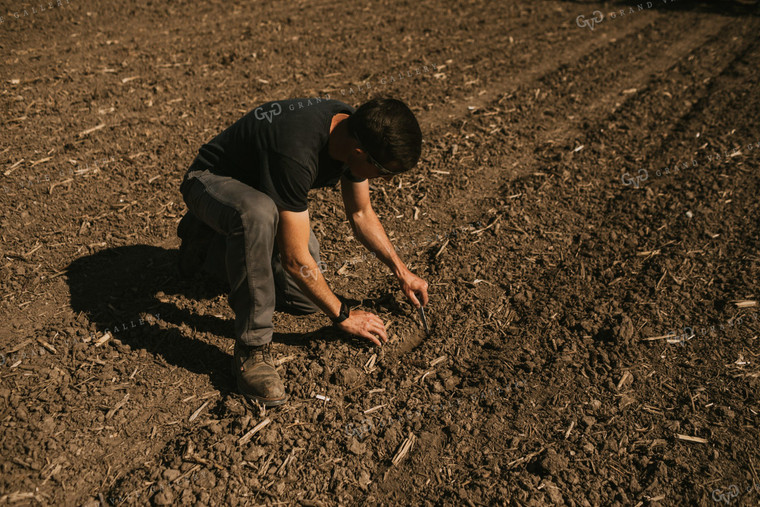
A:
344	312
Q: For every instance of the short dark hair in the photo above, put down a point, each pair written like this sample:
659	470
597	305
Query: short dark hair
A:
389	131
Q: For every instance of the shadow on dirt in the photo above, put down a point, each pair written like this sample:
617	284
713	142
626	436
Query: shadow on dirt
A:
117	287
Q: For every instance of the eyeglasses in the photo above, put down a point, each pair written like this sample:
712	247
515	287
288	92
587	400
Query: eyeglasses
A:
374	162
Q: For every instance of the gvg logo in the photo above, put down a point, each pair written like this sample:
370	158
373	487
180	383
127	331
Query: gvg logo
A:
581	20
260	114
732	492
635	180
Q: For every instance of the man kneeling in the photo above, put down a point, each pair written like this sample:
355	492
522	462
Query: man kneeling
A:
248	218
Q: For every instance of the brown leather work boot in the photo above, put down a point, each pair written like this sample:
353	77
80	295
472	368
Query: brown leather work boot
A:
256	376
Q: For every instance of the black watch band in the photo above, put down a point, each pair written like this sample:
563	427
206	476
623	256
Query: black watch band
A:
344	312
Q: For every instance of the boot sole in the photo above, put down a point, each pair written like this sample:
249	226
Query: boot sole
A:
266	402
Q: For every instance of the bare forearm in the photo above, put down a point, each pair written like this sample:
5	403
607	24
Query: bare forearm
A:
307	275
370	232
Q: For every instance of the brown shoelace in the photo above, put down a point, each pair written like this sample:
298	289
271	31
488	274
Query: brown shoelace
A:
262	353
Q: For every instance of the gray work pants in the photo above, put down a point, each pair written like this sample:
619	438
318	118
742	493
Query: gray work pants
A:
244	251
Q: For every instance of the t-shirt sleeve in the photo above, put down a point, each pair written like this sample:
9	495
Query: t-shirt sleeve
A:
288	182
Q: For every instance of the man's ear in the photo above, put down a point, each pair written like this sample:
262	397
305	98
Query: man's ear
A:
359	154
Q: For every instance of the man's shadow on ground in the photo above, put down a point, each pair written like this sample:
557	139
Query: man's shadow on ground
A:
117	287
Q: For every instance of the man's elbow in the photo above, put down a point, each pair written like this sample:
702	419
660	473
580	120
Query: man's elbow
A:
357	217
352	223
290	264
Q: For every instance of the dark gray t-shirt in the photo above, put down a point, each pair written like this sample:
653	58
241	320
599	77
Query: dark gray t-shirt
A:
279	148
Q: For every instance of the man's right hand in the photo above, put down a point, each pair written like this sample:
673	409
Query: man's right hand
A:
365	324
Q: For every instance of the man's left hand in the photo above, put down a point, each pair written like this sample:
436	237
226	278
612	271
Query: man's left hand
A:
413	286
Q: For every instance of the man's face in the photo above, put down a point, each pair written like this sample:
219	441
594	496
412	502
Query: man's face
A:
361	166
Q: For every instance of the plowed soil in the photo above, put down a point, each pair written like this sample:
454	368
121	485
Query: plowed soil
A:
586	213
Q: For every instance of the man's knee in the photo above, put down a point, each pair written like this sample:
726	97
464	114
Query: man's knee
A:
298	306
259	211
306	307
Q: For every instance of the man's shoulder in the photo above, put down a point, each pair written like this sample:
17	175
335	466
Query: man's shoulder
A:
299	128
